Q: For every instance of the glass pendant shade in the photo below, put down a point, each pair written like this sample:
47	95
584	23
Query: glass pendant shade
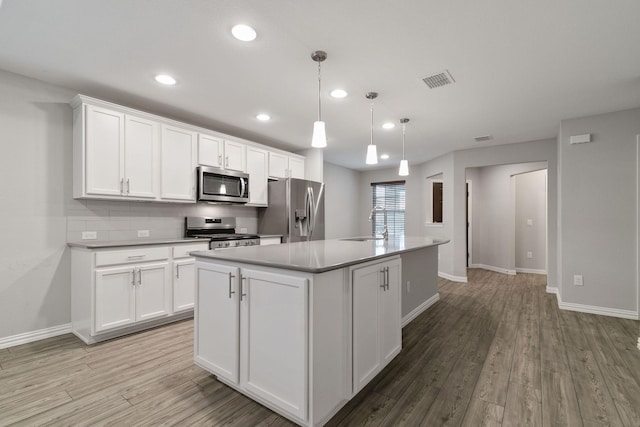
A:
404	168
372	155
319	139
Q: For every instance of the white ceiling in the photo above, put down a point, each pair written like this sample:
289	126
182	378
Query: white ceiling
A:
520	66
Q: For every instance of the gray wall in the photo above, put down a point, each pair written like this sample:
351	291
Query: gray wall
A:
494	215
531	204
598	210
341	207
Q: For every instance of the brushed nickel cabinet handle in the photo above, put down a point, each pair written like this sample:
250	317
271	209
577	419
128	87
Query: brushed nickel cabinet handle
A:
242	292
121	185
128	185
177	271
219	160
231	291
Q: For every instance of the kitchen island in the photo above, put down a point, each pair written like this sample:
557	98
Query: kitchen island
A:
302	327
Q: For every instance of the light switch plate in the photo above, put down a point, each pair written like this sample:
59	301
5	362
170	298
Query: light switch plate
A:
89	235
529	254
529	222
577	280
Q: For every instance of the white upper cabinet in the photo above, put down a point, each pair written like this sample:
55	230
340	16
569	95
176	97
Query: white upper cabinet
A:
178	163
210	151
257	163
284	166
235	156
141	138
104	144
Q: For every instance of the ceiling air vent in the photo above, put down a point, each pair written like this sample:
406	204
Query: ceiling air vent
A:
483	138
440	79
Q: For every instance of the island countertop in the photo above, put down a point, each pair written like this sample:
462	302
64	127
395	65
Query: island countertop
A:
319	256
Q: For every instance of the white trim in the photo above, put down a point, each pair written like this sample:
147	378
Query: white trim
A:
40	334
461	279
604	311
530	271
552	290
469	201
419	309
492	268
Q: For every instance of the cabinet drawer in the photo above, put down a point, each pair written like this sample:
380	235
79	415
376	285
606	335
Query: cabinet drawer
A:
141	254
182	251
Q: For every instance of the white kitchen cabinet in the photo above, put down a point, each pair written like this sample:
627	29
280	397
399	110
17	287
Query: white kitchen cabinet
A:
132	293
115	291
266	354
377	331
264	241
257	165
285	166
119	152
235	156
184	276
210	151
178	161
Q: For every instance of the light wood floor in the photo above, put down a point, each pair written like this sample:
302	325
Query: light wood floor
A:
494	351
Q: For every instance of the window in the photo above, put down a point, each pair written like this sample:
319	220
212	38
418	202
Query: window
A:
437	202
391	196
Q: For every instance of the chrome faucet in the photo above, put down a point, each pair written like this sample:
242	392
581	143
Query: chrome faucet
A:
385	230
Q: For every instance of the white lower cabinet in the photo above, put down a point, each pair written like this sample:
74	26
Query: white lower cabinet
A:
377	330
266	333
118	291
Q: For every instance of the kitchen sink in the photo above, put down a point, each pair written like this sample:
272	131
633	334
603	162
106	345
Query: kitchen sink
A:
362	239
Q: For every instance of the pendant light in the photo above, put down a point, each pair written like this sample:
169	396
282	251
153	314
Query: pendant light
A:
372	152
404	164
319	139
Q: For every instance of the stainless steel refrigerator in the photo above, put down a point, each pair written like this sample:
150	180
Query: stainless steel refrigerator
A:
296	210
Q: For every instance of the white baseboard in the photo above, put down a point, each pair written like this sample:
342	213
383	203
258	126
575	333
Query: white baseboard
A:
40	334
492	268
603	311
461	279
552	290
419	309
530	270
638	343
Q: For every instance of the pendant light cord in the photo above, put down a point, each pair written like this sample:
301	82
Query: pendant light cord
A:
371	143
319	98
404	129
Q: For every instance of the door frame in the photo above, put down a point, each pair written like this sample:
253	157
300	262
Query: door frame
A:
469	202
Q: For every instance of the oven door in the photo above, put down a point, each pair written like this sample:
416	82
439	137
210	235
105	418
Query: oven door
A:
217	185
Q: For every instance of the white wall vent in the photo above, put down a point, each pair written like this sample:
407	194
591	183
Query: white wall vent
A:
440	79
483	138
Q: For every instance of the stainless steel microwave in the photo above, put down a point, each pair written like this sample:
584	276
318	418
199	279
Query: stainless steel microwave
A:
222	186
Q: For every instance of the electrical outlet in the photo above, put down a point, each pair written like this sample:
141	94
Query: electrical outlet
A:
577	280
243	230
529	254
143	233
89	235
408	286
529	222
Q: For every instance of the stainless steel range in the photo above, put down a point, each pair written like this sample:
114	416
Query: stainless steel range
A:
221	232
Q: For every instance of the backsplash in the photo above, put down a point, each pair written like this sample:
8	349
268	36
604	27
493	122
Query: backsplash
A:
117	220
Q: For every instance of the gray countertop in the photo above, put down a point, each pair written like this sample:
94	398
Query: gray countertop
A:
320	255
140	242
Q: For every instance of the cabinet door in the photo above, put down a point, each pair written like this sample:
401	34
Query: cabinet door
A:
104	142
114	298
184	284
152	291
141	138
234	156
296	167
390	314
274	332
366	286
278	165
257	160
210	151
177	164
216	320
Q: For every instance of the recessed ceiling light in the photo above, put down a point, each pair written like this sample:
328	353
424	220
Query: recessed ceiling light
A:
165	79
339	93
243	33
388	125
384	156
263	117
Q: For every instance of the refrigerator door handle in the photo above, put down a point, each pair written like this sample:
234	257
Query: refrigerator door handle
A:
310	218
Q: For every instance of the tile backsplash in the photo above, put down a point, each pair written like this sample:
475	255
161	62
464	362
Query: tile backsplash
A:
117	220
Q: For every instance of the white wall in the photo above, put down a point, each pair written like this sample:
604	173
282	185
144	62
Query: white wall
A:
313	164
531	205
341	206
598	211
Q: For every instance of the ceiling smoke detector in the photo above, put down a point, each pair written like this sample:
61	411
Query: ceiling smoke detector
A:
483	138
440	79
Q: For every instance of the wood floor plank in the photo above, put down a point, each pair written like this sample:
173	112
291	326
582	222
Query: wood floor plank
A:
494	351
